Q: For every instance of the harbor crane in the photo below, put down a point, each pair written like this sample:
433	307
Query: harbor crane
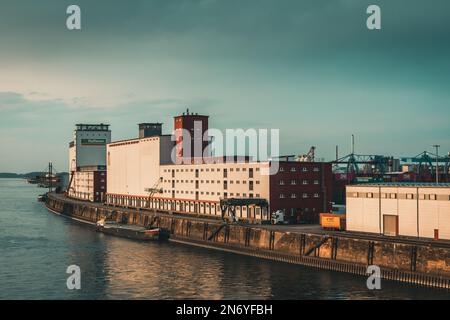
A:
372	164
154	189
425	160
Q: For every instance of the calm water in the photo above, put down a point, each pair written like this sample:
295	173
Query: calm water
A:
36	247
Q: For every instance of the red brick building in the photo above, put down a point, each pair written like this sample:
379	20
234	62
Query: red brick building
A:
302	189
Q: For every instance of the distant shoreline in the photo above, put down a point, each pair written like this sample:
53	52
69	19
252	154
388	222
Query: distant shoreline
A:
11	175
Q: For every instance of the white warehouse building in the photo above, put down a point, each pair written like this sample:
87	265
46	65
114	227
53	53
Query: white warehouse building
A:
400	209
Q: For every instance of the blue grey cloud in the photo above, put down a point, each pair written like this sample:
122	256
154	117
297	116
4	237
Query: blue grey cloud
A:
310	68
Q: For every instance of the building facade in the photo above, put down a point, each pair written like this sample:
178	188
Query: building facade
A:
147	173
400	209
87	162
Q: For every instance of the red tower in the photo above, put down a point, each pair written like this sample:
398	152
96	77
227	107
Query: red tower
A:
190	129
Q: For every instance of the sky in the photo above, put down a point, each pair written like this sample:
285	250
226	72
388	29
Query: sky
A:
310	68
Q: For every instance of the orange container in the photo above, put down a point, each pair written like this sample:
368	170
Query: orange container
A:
332	221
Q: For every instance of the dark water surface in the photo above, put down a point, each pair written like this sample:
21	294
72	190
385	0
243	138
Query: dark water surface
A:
36	247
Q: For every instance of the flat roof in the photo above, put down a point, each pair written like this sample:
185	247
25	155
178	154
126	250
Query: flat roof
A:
402	184
136	139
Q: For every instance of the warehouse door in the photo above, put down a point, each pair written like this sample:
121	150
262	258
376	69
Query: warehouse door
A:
390	223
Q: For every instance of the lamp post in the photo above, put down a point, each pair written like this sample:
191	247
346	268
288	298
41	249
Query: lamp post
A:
437	162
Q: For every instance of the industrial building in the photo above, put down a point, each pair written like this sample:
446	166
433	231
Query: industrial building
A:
87	162
144	173
400	209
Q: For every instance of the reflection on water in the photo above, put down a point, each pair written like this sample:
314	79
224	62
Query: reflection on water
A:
36	247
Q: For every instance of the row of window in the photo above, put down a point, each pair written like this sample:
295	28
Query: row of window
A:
296	182
210	181
295	196
302	169
225	194
395	196
211	170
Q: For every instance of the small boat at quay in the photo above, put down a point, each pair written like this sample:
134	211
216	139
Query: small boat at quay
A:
130	231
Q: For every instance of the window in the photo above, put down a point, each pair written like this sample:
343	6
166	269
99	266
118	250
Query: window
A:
293	196
173	173
196	184
305	195
305	169
196	173
293	169
316	169
225	185
393	196
316	181
281	182
250	173
173	183
369	195
432	197
409	196
305	182
281	196
250	186
293	182
225	173
316	195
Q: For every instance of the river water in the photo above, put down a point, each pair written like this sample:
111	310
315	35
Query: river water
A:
37	246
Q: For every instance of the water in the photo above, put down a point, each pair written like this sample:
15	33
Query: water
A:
36	247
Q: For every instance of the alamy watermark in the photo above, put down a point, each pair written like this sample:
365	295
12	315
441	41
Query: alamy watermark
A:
74	280
73	21
236	145
374	280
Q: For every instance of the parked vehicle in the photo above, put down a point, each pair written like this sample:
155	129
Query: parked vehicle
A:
278	217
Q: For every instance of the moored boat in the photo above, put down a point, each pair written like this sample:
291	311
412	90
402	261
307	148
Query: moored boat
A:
130	231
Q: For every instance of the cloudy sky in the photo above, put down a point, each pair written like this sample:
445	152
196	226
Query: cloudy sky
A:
308	67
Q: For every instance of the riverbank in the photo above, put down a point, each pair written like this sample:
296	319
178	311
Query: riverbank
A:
416	262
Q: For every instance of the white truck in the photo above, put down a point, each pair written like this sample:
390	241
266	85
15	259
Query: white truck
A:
278	217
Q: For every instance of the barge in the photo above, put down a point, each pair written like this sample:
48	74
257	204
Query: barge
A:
130	231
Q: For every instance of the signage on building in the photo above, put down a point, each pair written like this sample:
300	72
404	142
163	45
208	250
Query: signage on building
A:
93	142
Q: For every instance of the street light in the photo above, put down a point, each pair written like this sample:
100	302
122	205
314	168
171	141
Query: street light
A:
437	163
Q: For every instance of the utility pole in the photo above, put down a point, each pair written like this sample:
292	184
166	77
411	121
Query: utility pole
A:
50	170
353	144
437	162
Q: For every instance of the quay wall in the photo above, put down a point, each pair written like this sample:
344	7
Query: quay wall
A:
423	264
